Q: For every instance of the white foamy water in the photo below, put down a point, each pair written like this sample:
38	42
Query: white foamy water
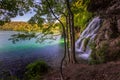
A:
89	32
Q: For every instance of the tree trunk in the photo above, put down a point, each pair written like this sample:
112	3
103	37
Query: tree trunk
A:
67	41
72	37
73	58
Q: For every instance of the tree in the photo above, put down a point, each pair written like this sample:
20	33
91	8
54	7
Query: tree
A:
70	21
74	13
72	33
12	8
46	11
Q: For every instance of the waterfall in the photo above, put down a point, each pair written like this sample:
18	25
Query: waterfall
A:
82	44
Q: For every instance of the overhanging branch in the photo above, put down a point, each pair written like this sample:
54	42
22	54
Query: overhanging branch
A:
63	27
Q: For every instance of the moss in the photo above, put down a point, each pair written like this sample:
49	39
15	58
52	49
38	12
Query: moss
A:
92	45
81	14
86	40
98	55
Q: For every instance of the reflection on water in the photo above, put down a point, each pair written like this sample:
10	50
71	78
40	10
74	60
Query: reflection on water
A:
28	50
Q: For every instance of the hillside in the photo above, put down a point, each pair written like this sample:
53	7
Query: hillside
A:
26	27
19	26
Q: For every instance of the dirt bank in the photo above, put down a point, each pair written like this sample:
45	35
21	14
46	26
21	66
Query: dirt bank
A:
106	71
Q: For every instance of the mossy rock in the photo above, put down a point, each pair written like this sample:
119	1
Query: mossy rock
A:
86	41
98	55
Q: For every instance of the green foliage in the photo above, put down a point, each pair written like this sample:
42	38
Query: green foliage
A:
37	77
43	12
51	28
98	55
12	8
31	31
21	36
35	70
20	26
92	45
81	15
48	28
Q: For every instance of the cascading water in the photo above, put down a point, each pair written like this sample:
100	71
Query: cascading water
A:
88	35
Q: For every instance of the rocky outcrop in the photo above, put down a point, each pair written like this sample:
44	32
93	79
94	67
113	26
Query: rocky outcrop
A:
104	6
109	33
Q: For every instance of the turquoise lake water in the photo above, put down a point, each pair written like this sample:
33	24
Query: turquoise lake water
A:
50	52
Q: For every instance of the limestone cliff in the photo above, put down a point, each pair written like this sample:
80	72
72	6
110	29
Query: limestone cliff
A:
109	33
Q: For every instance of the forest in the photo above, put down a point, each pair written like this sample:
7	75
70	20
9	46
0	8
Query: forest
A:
19	26
90	31
26	27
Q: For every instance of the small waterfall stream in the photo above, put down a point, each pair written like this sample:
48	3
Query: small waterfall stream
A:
82	44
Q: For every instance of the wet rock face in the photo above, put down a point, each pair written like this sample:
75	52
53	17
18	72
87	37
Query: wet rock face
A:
109	32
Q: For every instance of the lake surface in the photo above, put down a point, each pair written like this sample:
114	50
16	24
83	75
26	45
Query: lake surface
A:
27	51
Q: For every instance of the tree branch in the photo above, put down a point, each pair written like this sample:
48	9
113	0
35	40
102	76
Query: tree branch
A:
63	27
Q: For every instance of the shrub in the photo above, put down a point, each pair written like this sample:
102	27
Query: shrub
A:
35	70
